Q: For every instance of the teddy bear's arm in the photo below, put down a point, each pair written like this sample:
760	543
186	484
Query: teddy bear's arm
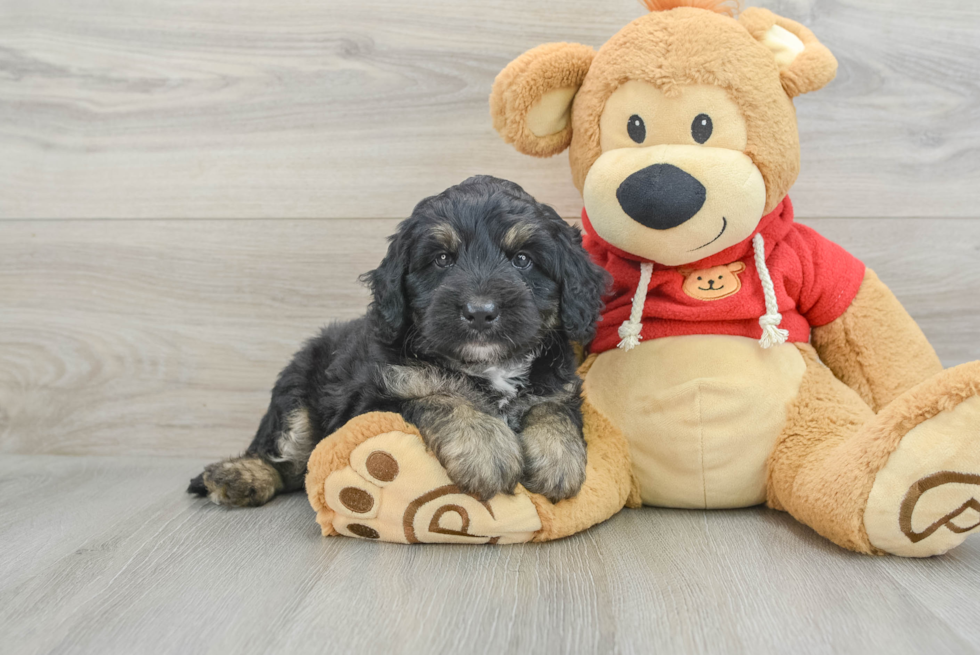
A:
875	347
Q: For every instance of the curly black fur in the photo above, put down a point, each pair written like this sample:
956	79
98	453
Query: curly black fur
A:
473	393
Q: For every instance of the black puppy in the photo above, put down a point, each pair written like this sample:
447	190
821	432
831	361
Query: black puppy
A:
469	337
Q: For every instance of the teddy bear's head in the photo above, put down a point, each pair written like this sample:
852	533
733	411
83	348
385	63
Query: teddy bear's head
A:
681	128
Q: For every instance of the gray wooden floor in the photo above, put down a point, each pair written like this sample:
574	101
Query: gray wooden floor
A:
107	555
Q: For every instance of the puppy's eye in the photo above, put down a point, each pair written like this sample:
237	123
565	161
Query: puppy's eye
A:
702	128
521	261
444	260
636	128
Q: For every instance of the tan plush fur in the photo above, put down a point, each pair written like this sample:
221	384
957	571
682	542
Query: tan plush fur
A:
875	347
825	414
813	69
824	466
633	500
518	87
727	7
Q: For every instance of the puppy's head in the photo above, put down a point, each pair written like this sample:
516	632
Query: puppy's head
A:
481	273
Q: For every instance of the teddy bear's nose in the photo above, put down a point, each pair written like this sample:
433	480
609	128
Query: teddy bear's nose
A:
661	196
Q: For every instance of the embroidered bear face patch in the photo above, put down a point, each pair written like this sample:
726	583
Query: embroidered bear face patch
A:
713	283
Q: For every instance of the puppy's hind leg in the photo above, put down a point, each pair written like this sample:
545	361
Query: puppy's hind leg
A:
246	481
274	463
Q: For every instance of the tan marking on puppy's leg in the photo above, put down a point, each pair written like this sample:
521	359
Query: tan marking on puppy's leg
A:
242	482
295	444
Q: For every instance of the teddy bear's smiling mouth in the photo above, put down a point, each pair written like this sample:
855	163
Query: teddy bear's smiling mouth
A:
724	226
712	288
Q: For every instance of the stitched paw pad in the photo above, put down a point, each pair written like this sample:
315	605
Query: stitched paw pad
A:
926	499
393	489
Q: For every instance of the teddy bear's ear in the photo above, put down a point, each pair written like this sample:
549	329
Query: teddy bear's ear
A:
736	267
804	63
531	101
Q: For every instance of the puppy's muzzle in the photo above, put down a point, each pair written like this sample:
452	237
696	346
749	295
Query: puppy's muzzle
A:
481	314
661	196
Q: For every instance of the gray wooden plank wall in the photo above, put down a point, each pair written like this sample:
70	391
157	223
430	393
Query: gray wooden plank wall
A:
164	337
159	333
288	109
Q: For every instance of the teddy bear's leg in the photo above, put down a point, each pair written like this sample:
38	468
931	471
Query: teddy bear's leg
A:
905	481
825	414
375	479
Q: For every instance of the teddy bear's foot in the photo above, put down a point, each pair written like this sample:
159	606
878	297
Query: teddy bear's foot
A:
926	499
375	480
371	498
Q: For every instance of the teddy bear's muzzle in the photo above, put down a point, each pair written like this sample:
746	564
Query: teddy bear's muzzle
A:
674	204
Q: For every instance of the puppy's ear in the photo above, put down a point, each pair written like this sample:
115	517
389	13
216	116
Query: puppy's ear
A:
804	63
387	284
582	287
531	101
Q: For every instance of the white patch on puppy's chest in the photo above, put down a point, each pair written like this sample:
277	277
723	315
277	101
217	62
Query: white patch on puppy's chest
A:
507	379
503	380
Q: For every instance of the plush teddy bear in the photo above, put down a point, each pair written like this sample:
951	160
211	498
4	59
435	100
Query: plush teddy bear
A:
745	358
742	358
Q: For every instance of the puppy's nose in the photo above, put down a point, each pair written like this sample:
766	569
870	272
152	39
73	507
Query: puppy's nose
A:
661	196
480	315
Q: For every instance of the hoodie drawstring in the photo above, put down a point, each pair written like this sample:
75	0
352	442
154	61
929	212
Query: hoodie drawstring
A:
629	331
772	334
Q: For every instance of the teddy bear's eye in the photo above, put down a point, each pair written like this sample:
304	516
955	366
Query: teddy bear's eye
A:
702	128
636	128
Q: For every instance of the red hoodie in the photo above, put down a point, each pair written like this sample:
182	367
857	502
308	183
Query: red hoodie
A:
815	281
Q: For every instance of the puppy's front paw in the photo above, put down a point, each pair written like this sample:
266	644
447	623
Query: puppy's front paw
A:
481	455
554	458
241	482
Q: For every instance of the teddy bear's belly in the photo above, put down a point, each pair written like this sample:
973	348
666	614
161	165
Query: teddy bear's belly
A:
701	413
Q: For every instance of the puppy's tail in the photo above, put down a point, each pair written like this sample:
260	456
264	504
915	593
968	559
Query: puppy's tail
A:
197	486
